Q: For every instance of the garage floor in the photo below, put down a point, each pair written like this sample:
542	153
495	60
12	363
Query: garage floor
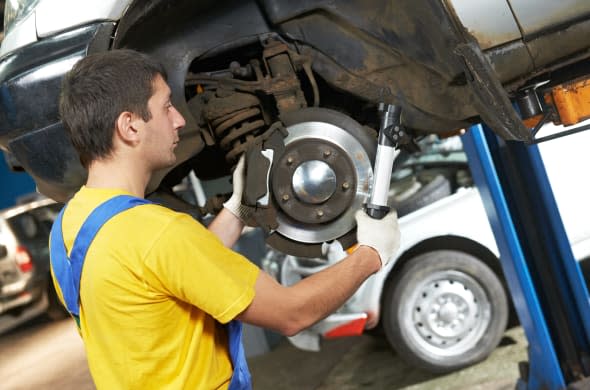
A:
369	363
344	364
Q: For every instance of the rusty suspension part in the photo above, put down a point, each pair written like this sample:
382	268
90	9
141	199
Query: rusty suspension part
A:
237	111
236	120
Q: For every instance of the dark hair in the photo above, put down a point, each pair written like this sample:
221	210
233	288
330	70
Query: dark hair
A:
97	90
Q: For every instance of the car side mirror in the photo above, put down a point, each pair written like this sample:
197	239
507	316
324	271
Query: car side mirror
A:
3	251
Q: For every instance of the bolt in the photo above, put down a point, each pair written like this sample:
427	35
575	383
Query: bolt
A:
286	197
327	153
345	186
289	160
320	213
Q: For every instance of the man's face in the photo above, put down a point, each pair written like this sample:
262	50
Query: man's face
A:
161	135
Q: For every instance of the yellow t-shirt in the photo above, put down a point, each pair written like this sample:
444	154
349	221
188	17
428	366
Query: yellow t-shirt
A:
154	289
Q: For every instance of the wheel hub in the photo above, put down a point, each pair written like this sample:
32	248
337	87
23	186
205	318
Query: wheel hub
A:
448	312
314	182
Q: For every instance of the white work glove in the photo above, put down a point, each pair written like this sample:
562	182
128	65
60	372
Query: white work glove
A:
234	203
333	251
383	235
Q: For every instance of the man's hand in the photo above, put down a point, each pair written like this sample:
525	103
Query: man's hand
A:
234	203
383	235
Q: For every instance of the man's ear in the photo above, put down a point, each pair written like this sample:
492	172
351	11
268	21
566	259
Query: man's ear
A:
127	127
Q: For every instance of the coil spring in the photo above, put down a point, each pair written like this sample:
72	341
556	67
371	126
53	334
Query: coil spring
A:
237	129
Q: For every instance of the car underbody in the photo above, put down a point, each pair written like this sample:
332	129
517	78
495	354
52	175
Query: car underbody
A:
304	81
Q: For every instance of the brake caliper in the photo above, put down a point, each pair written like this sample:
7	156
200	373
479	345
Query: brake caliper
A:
260	160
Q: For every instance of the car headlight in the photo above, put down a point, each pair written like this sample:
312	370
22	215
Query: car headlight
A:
16	10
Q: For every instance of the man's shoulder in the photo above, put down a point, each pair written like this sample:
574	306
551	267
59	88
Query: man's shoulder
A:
149	218
161	218
156	210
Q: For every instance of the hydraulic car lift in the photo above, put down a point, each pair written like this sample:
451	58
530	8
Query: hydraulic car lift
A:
545	281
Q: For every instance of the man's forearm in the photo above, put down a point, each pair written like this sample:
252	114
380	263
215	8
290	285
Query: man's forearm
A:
290	309
227	227
324	292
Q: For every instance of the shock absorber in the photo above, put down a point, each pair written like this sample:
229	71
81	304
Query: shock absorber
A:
391	135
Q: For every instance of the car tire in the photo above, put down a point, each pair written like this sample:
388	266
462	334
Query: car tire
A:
444	310
417	191
55	310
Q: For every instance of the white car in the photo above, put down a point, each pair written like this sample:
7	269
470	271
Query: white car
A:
442	302
26	288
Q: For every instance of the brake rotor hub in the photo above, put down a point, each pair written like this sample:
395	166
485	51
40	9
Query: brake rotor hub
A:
313	181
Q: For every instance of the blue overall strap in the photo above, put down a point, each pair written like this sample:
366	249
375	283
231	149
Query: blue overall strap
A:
67	270
240	379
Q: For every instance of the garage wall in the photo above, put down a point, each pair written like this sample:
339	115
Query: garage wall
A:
13	184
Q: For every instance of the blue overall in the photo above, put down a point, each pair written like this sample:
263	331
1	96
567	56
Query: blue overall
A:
67	272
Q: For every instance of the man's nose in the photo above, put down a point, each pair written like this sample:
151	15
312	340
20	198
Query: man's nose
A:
178	119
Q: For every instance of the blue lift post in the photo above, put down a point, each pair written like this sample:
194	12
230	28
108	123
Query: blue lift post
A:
545	281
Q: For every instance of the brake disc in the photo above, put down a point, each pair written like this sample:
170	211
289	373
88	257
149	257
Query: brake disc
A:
321	179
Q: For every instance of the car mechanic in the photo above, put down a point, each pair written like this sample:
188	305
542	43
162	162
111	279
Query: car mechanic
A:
161	299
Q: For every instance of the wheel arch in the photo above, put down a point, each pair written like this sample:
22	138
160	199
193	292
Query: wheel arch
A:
196	30
178	35
450	242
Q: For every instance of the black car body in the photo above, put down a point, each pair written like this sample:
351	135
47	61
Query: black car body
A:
241	71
